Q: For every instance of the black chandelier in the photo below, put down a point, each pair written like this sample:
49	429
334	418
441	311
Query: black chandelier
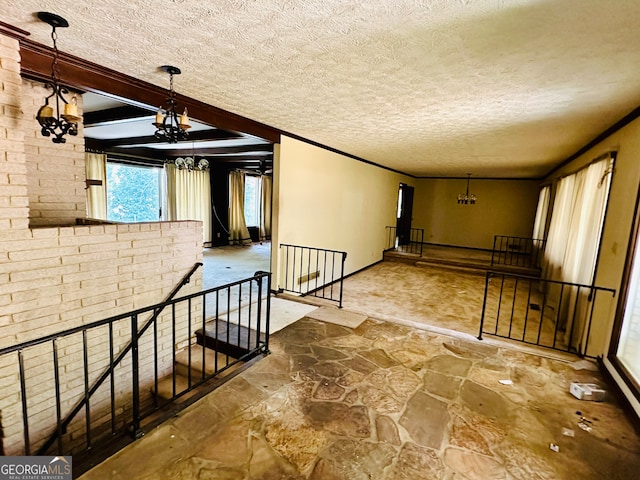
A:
467	198
54	123
170	126
191	163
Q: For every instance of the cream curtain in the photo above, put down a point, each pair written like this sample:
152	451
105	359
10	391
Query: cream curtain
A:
238	232
189	197
266	189
95	165
541	213
573	241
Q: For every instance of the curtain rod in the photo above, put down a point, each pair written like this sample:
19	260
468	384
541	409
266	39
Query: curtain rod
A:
611	154
93	150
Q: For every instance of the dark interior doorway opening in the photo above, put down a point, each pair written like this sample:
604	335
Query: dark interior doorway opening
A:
404	215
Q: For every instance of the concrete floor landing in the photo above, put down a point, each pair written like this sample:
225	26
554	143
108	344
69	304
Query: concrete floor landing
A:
389	402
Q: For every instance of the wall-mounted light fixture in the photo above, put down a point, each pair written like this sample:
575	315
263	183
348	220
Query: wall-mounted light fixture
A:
170	126
467	198
54	122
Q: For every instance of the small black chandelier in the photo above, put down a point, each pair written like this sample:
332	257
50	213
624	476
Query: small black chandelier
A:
55	124
467	198
191	163
170	126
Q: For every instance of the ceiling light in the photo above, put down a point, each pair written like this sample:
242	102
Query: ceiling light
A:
191	163
53	122
467	198
170	126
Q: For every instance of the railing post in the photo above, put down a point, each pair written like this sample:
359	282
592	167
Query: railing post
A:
344	258
268	316
23	395
493	252
484	304
135	373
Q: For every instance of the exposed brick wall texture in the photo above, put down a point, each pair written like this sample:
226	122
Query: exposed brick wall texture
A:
63	277
14	202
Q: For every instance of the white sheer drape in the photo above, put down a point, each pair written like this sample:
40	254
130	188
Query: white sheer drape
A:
266	189
238	232
540	222
189	197
95	165
572	245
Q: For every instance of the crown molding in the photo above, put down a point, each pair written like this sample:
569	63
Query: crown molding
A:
13	32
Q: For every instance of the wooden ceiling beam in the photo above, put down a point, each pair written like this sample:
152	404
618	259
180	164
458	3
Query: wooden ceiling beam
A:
116	114
199	136
83	75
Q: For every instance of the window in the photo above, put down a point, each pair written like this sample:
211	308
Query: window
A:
133	193
252	201
625	344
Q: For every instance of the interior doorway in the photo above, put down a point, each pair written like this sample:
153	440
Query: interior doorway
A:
404	215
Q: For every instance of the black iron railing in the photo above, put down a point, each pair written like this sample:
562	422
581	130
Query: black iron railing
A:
415	241
517	251
101	382
547	313
312	271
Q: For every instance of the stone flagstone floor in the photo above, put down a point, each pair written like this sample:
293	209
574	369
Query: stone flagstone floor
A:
389	402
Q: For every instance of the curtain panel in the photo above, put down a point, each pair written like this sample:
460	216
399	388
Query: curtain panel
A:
572	244
266	190
189	197
238	232
95	165
540	223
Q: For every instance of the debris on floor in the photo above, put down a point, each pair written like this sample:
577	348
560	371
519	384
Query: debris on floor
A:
567	432
584	365
506	382
585	424
554	447
587	391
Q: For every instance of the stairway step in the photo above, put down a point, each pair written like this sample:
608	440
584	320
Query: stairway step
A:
165	384
228	338
210	357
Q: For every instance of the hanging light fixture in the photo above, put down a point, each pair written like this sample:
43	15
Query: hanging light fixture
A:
467	198
53	122
170	126
191	163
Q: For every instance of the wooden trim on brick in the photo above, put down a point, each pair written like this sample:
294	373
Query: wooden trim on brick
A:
13	32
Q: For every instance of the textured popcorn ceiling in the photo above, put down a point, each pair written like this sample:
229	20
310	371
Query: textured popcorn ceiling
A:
429	87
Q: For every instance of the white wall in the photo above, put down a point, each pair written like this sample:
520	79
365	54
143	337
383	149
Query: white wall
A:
618	224
327	200
503	207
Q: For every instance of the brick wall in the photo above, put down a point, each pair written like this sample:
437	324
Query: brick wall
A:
14	209
56	275
59	278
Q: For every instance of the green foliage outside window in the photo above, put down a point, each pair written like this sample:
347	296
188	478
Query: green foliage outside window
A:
133	193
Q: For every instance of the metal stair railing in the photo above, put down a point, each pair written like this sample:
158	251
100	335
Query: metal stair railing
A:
313	271
415	243
62	426
132	399
517	251
547	313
